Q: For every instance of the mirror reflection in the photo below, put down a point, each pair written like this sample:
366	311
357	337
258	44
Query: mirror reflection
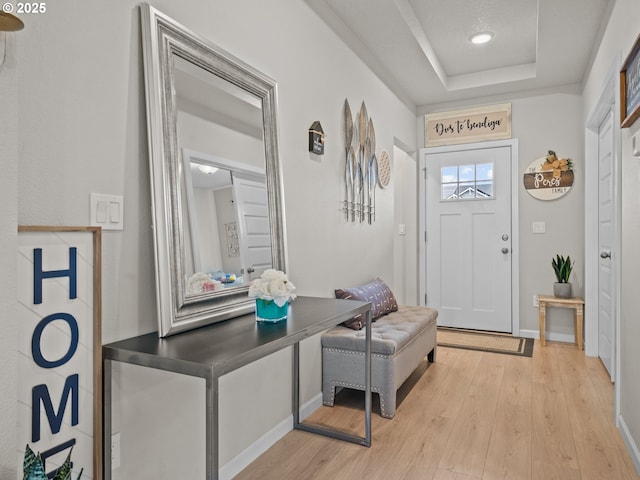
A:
228	240
220	135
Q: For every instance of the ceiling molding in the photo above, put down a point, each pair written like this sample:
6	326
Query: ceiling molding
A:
496	76
410	18
419	48
345	33
465	81
568	89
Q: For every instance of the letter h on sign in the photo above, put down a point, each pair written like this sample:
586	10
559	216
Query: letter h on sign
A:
39	275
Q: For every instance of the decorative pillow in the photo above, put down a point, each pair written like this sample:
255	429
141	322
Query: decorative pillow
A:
378	293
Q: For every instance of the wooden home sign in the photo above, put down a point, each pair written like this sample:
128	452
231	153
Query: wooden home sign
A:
60	347
466	126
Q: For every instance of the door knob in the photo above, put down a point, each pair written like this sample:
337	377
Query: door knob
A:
605	254
251	270
505	250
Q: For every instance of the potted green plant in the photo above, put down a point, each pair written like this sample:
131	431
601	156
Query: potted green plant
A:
562	267
33	467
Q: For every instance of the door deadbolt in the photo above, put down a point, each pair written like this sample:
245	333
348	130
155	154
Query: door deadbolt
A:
505	237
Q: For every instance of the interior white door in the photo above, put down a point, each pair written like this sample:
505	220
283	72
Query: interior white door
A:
468	237
606	217
250	196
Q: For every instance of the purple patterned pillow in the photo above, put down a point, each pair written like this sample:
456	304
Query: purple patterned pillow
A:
378	293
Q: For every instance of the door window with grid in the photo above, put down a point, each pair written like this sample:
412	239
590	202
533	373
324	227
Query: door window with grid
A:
466	182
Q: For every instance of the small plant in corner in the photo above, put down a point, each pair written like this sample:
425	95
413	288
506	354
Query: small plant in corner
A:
562	267
33	469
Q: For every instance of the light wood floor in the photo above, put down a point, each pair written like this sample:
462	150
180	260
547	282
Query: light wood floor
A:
471	415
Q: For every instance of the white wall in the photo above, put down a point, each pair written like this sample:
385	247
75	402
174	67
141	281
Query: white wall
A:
82	128
617	42
226	213
405	246
209	230
8	224
202	136
542	121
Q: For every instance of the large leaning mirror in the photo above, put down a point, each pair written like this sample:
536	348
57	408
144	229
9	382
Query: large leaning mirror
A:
216	190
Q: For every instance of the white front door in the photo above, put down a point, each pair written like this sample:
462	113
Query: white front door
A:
468	236
250	196
606	228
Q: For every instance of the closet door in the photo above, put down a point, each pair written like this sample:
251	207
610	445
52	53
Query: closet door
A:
250	197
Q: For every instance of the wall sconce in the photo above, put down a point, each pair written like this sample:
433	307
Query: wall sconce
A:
8	23
316	138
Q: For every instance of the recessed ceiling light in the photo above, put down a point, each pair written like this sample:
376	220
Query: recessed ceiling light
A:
480	38
208	169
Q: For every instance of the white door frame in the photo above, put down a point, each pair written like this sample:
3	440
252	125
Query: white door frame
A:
607	102
515	230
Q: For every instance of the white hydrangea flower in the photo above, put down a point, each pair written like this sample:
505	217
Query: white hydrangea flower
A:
273	285
202	282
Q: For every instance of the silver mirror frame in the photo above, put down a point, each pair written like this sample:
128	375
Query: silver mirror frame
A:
163	37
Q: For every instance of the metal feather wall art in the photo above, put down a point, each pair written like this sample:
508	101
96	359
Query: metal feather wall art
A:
361	166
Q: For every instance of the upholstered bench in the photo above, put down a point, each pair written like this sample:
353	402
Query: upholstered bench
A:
399	342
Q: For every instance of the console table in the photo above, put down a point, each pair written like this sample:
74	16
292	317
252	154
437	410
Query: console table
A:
212	351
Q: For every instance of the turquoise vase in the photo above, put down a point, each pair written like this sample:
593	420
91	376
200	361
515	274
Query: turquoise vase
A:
268	311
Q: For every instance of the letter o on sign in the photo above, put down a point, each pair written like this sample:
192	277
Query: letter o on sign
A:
37	337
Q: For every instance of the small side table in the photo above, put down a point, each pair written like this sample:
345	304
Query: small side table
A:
576	303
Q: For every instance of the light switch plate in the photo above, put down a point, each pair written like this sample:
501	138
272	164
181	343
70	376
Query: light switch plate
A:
107	211
538	227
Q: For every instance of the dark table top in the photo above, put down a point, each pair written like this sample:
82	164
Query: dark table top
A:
224	346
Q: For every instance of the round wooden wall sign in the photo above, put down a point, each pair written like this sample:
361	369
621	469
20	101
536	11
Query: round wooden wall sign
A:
549	178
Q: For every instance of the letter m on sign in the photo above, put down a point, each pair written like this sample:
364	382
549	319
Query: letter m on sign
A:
40	393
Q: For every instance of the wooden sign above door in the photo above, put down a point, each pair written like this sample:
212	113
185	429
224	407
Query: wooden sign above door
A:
477	124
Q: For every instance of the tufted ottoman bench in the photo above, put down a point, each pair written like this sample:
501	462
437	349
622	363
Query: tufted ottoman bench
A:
399	342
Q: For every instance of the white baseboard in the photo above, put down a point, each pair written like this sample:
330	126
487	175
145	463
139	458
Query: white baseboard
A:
311	406
551	336
257	448
632	447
